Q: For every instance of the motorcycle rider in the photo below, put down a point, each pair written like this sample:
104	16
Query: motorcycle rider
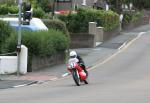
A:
73	54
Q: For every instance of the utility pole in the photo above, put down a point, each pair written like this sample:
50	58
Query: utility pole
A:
53	11
19	38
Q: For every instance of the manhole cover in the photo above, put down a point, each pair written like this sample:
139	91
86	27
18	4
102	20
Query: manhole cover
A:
111	45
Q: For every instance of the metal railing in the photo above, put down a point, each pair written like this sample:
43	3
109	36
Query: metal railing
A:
9	54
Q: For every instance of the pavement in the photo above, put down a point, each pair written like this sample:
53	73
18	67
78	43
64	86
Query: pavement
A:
91	56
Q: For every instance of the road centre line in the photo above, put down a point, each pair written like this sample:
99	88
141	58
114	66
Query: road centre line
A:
123	47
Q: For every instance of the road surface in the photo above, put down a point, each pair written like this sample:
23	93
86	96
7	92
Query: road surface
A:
122	78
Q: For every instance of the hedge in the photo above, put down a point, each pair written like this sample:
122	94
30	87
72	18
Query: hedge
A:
5	31
132	17
5	9
56	25
79	22
38	12
39	43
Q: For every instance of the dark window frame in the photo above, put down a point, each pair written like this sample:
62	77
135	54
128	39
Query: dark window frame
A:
64	1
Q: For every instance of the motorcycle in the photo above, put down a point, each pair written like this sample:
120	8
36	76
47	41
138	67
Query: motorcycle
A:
77	72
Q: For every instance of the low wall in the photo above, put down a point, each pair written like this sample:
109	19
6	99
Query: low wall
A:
97	34
132	25
44	62
8	64
110	34
82	40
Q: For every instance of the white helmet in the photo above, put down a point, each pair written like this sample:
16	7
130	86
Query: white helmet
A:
73	54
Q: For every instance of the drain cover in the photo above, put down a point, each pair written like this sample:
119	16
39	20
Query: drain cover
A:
111	45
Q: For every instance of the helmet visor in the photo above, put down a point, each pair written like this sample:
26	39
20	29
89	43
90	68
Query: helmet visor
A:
74	56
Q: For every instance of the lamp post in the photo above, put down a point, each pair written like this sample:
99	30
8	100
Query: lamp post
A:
19	38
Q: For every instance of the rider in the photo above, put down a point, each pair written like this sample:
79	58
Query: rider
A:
73	54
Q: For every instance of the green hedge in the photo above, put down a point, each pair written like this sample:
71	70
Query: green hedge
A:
5	9
56	25
5	31
132	17
79	22
38	12
39	43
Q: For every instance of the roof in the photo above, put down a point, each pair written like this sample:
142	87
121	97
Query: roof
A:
35	24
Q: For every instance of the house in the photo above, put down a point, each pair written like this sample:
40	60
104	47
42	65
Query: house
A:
71	4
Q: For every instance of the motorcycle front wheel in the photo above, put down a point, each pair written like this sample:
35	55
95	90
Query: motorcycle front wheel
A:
76	77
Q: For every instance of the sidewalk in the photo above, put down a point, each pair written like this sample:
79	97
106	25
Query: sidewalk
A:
90	56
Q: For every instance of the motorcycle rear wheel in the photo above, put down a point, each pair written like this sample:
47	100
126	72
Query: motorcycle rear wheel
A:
86	82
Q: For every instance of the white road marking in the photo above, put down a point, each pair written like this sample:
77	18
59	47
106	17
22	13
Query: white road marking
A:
121	49
125	46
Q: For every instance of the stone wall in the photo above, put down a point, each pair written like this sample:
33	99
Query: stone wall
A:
82	40
44	62
132	25
111	33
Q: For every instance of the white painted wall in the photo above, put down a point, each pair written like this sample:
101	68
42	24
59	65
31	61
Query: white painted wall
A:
8	64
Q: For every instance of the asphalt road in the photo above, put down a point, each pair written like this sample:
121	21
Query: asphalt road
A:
123	78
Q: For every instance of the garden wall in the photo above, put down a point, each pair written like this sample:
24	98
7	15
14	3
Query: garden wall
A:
111	33
43	62
82	40
132	25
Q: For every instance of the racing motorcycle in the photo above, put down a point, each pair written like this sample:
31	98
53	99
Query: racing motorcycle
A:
77	72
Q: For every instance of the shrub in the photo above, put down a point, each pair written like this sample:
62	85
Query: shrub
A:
5	9
46	5
38	12
132	17
13	9
8	2
5	31
79	22
56	25
39	43
108	19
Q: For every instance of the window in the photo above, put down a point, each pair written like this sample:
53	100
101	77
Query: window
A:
63	0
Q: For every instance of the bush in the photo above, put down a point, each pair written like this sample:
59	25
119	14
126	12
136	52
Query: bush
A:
56	25
79	22
39	43
108	19
5	9
132	17
13	9
5	31
46	5
38	12
8	2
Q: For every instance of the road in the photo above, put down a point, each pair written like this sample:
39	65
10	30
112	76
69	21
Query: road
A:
122	78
